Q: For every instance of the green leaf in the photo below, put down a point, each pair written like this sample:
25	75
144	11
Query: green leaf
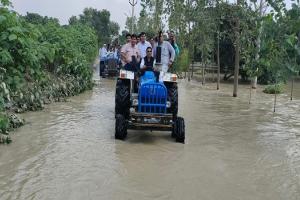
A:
2	18
291	40
16	29
12	37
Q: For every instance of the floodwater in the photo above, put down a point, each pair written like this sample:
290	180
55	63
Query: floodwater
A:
234	150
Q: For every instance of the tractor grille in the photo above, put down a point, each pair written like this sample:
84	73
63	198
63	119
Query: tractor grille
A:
152	98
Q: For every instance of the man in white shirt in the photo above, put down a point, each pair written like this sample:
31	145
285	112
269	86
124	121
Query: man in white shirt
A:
102	56
166	56
103	52
143	45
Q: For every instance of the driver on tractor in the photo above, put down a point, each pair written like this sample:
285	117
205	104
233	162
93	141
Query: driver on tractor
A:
147	63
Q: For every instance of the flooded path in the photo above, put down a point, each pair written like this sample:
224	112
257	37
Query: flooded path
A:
233	150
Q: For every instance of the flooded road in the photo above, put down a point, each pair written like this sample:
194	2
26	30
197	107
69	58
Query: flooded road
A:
234	150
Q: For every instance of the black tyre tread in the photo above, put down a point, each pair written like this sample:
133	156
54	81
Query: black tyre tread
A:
120	127
102	66
180	130
173	98
122	99
174	129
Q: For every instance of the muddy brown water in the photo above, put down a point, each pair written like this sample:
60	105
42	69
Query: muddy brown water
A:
233	150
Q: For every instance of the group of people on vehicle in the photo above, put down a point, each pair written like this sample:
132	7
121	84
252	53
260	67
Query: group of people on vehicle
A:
157	56
109	56
140	55
107	52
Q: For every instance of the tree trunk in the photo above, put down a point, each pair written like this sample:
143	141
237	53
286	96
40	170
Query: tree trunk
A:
292	88
258	44
237	58
157	15
254	82
203	79
192	69
275	100
218	62
250	96
132	19
258	41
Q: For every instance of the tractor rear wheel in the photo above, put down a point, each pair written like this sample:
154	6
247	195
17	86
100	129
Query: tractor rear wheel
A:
173	98
179	130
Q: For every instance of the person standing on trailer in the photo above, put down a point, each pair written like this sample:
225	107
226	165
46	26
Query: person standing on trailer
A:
172	40
128	40
164	55
143	45
131	55
102	56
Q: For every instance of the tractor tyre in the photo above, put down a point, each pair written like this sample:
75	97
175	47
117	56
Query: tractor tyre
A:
180	130
173	98
122	99
120	127
102	66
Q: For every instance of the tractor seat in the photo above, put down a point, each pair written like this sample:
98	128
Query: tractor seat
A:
148	77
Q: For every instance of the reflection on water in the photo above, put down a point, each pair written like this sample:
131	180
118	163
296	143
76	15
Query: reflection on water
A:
233	150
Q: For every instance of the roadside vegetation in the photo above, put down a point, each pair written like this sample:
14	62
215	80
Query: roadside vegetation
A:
40	62
259	38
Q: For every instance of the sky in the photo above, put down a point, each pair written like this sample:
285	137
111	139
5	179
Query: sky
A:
64	9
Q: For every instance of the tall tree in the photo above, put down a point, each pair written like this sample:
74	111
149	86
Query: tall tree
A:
130	23
237	53
155	9
100	21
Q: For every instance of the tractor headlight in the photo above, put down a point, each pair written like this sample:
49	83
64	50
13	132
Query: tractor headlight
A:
168	104
126	74
168	77
122	75
135	102
174	78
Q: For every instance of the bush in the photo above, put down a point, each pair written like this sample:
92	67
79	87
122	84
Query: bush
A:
272	89
182	62
41	62
28	52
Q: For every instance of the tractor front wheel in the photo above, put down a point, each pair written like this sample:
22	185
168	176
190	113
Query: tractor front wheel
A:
122	98
120	127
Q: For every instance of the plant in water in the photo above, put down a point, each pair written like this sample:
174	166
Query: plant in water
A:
274	89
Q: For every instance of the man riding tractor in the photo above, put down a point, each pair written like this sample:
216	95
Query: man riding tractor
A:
154	104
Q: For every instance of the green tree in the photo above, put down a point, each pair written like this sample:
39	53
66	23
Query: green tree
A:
154	12
100	21
35	18
73	20
129	22
145	22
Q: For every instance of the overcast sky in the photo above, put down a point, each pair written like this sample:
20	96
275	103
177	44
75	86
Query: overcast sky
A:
64	9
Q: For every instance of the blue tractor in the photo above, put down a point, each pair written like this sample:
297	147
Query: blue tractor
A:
109	65
147	105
